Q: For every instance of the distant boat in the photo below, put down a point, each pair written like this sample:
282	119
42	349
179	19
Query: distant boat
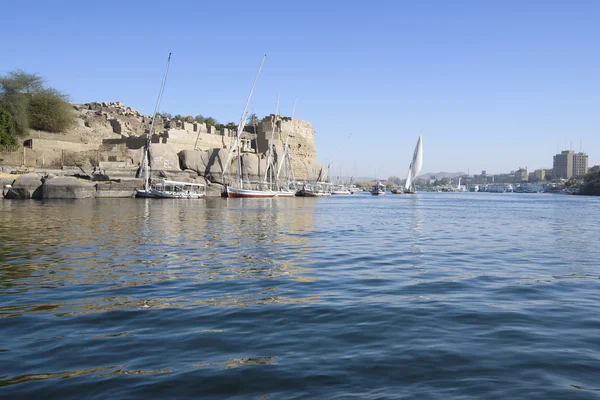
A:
414	168
235	145
318	189
378	189
340	190
165	189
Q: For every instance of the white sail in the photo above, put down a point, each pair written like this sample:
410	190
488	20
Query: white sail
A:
417	162
415	166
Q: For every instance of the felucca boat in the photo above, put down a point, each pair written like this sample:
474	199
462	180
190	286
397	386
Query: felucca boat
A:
235	145
165	189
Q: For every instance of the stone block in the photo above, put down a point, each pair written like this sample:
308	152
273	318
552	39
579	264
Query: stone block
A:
123	188
68	187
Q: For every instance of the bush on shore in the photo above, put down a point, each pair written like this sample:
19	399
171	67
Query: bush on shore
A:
33	105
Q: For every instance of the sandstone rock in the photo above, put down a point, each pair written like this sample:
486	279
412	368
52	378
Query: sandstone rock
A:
208	164
253	167
68	187
162	156
28	186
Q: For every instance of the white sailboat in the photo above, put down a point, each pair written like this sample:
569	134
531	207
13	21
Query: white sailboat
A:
235	144
414	168
166	189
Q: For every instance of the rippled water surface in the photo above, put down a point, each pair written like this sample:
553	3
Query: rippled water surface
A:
428	296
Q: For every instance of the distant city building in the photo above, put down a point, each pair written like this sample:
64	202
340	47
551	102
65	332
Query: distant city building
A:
521	174
539	174
580	164
568	164
483	173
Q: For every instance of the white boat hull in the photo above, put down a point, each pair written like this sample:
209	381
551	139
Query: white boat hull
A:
248	193
159	194
285	193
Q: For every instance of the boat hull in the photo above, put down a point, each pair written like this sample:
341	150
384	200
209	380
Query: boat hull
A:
286	194
408	192
314	194
158	194
340	193
247	193
144	194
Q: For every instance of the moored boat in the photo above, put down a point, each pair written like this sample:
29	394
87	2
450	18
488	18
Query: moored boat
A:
318	189
248	193
378	189
164	188
340	190
240	191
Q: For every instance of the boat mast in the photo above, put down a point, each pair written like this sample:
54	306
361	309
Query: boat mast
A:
240	129
146	159
274	123
285	159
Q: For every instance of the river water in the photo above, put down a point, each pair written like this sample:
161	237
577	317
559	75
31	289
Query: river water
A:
436	295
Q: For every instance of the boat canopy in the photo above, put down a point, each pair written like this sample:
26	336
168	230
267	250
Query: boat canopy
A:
177	183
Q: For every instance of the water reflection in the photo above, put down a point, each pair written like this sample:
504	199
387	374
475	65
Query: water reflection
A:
129	254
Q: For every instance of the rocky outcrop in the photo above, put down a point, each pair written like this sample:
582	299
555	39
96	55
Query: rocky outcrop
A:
28	186
208	164
162	156
68	187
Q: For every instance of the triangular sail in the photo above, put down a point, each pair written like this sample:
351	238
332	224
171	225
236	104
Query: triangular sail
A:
417	162
415	165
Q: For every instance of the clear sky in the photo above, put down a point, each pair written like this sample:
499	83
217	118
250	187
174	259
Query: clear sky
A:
491	85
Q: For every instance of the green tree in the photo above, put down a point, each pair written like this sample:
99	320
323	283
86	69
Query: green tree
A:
210	121
252	118
200	119
177	117
30	104
7	129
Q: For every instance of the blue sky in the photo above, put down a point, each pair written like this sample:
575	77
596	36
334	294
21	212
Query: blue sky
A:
491	85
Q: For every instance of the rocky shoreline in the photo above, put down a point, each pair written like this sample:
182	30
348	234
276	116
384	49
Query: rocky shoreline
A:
55	184
101	155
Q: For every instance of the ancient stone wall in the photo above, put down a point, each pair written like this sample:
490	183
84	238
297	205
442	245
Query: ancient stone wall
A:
301	143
